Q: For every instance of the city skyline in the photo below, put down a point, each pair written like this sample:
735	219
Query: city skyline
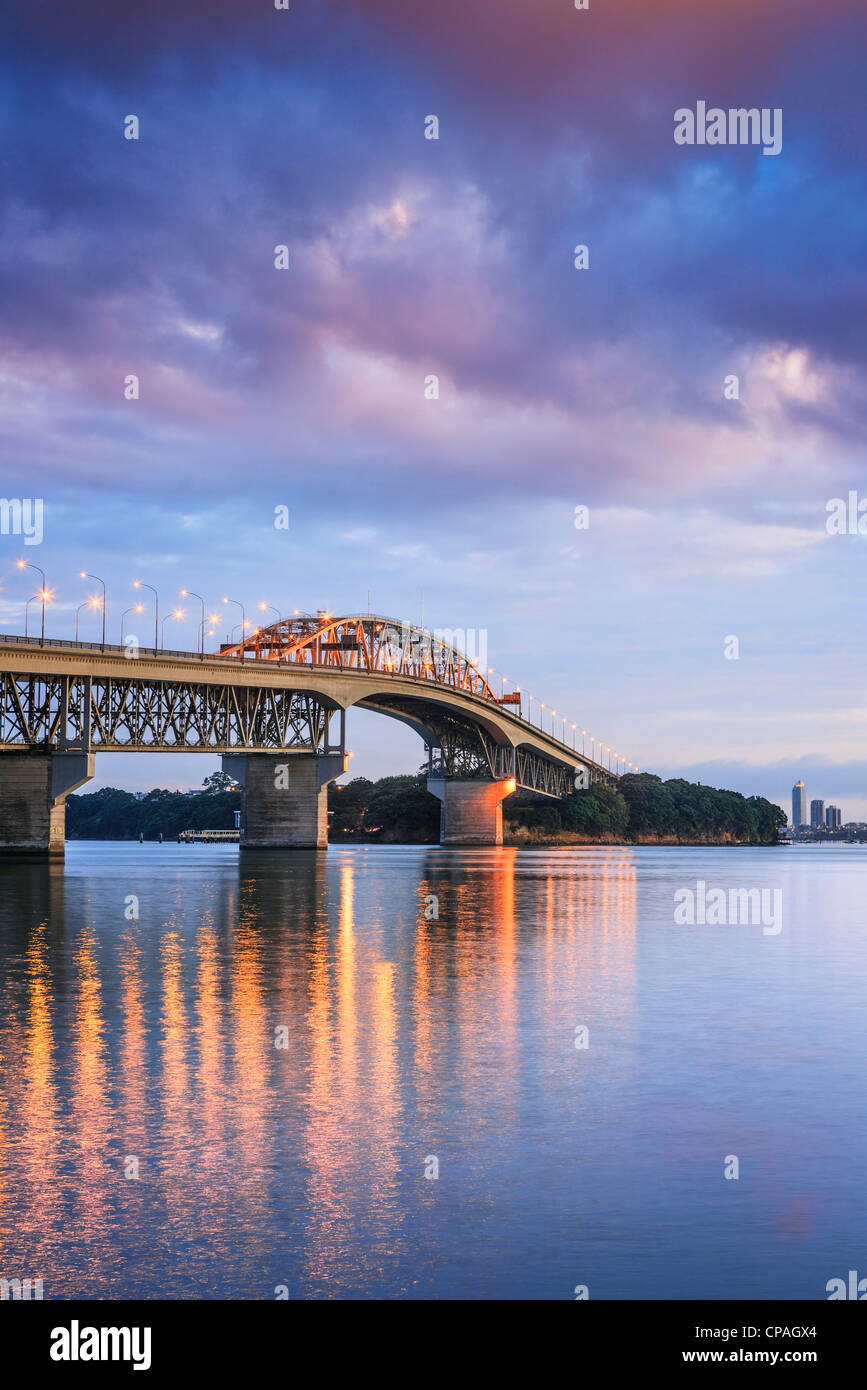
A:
823	814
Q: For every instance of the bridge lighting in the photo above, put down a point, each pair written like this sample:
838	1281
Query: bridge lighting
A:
178	613
137	608
83	574
240	605
26	565
88	603
32	599
510	785
139	584
188	593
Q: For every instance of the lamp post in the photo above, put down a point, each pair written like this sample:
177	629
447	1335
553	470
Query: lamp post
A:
43	594
265	606
212	618
32	599
188	593
243	614
88	603
83	574
138	608
178	613
139	584
243	626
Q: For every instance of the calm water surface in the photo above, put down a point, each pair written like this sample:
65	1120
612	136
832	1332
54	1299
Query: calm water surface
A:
408	1039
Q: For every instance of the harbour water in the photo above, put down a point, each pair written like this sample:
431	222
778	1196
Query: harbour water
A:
363	1074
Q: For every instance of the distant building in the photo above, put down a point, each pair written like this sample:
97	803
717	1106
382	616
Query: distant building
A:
799	805
833	817
817	814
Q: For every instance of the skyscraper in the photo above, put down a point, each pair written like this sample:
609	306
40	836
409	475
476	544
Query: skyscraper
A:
799	804
833	817
817	814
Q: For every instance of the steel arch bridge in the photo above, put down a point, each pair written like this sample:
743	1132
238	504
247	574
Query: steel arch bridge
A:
285	688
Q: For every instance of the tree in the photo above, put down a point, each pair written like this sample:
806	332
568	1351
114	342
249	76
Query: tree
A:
219	782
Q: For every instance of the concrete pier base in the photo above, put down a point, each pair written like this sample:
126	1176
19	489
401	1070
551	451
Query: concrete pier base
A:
471	812
284	797
34	786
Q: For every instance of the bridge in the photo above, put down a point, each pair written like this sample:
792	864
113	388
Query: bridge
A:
274	707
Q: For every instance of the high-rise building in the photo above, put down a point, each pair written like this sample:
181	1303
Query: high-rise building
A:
799	805
817	814
833	817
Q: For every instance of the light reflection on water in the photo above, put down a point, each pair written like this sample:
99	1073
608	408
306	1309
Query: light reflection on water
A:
154	1040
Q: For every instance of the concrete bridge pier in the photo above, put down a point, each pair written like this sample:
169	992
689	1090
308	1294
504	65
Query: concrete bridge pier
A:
34	785
471	812
284	797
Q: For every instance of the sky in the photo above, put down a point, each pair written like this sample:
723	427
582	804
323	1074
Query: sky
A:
409	258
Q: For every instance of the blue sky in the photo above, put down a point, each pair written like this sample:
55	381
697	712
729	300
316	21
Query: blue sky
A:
411	257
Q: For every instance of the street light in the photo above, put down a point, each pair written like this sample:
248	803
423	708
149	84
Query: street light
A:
243	614
178	613
27	612
265	606
88	603
139	584
44	594
243	626
188	593
212	618
83	574
138	608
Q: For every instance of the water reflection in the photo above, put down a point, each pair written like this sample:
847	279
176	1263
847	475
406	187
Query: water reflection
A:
283	1041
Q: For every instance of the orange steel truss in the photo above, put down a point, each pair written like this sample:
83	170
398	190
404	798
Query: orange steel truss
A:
365	644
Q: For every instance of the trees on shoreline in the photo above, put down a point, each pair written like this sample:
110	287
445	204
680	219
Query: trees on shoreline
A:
401	810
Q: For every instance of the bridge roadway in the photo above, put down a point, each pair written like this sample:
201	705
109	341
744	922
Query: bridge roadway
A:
275	709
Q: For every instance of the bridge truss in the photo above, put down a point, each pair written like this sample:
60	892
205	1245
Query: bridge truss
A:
106	714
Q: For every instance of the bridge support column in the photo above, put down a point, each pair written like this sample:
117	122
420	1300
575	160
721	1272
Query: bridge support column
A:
34	786
471	812
284	797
